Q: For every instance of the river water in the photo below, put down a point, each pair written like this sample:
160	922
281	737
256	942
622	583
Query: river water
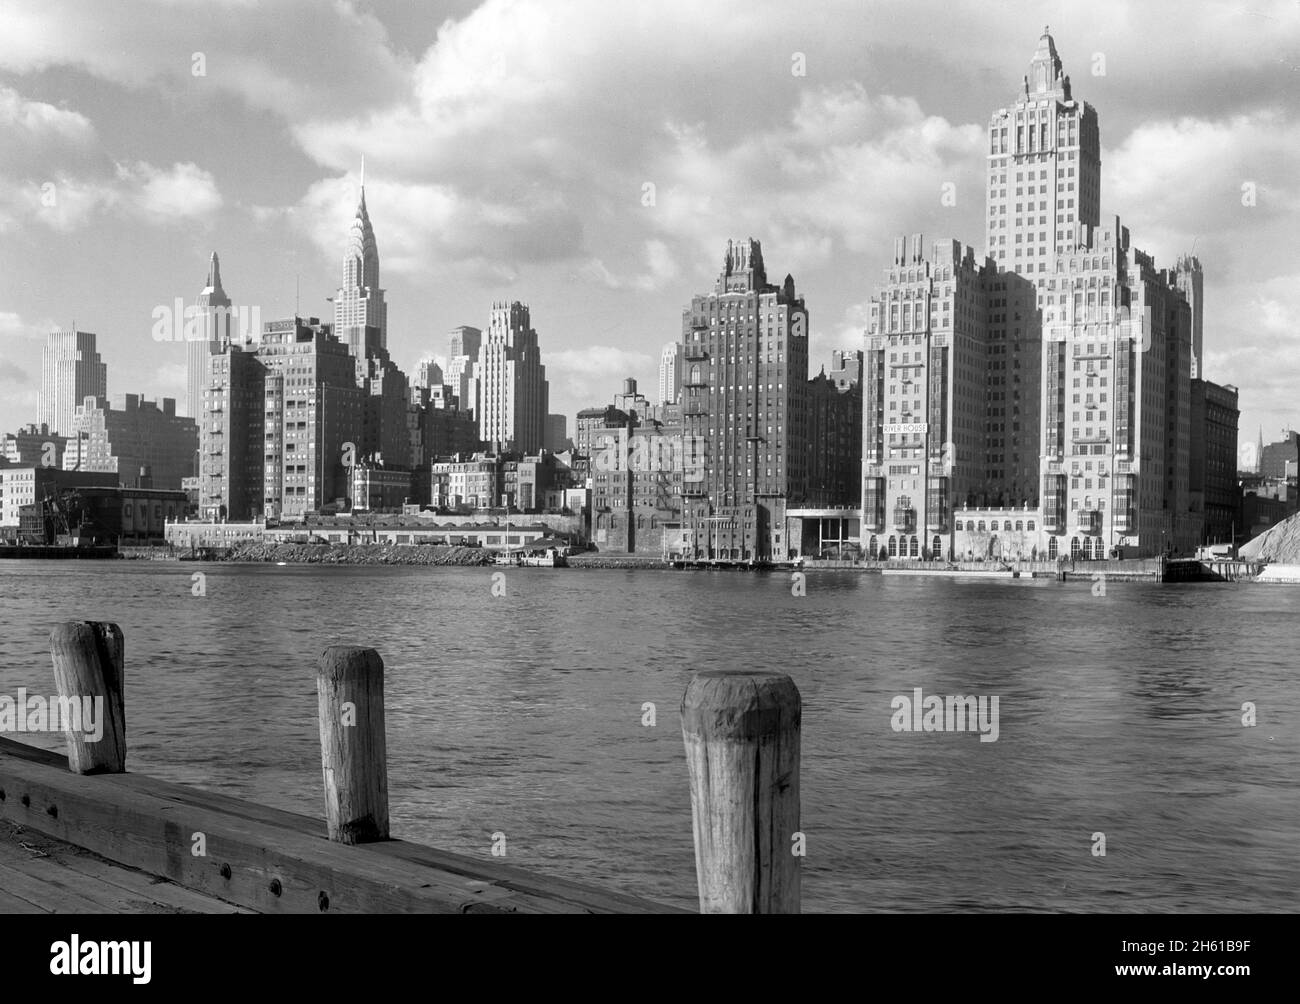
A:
1119	714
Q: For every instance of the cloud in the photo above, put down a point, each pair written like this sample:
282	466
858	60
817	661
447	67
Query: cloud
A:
13	326
574	372
290	57
183	192
1228	180
141	191
37	121
661	267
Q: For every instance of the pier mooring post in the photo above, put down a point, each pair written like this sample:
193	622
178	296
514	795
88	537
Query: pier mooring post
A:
354	759
741	731
88	662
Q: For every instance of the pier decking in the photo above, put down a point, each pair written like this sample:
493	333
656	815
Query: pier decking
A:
78	833
40	875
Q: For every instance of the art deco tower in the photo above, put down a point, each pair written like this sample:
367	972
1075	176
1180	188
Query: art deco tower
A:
1044	169
359	303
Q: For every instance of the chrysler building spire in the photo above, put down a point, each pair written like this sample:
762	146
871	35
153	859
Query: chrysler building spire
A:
359	303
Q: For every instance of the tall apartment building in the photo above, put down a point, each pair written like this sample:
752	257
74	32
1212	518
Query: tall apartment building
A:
1109	334
924	401
511	395
462	350
283	424
145	443
1213	464
835	432
670	373
359	303
744	406
211	332
71	371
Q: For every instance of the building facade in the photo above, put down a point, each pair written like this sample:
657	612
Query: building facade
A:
35	445
1213	464
359	303
283	424
670	373
744	407
511	395
71	371
211	331
145	443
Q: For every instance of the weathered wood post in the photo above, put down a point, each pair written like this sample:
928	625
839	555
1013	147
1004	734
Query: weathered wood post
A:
741	732
88	661
354	759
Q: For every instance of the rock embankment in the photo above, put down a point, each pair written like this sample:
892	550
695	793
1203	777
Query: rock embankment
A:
1279	544
594	559
358	554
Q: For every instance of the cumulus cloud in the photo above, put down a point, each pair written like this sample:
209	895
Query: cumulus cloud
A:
141	191
575	372
36	120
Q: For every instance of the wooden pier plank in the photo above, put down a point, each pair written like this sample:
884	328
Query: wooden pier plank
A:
149	825
536	892
80	882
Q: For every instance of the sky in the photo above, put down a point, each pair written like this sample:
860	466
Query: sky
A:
592	157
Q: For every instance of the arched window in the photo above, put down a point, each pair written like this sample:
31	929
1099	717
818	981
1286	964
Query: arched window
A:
957	525
893	546
936	547
980	526
1006	525
873	551
1020	526
695	374
1051	548
916	550
1030	526
1074	548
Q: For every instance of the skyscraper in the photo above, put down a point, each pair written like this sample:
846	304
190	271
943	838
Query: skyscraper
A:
510	391
359	303
71	371
211	331
744	404
1048	145
1191	280
462	350
670	373
1054	374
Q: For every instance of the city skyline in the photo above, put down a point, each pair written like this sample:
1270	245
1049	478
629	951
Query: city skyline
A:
874	131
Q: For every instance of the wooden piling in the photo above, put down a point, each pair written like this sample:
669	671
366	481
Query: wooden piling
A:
88	662
741	732
350	687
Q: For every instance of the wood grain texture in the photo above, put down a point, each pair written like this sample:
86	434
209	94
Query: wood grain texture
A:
88	659
354	759
742	733
149	824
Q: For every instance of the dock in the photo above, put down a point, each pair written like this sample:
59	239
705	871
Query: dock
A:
81	834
